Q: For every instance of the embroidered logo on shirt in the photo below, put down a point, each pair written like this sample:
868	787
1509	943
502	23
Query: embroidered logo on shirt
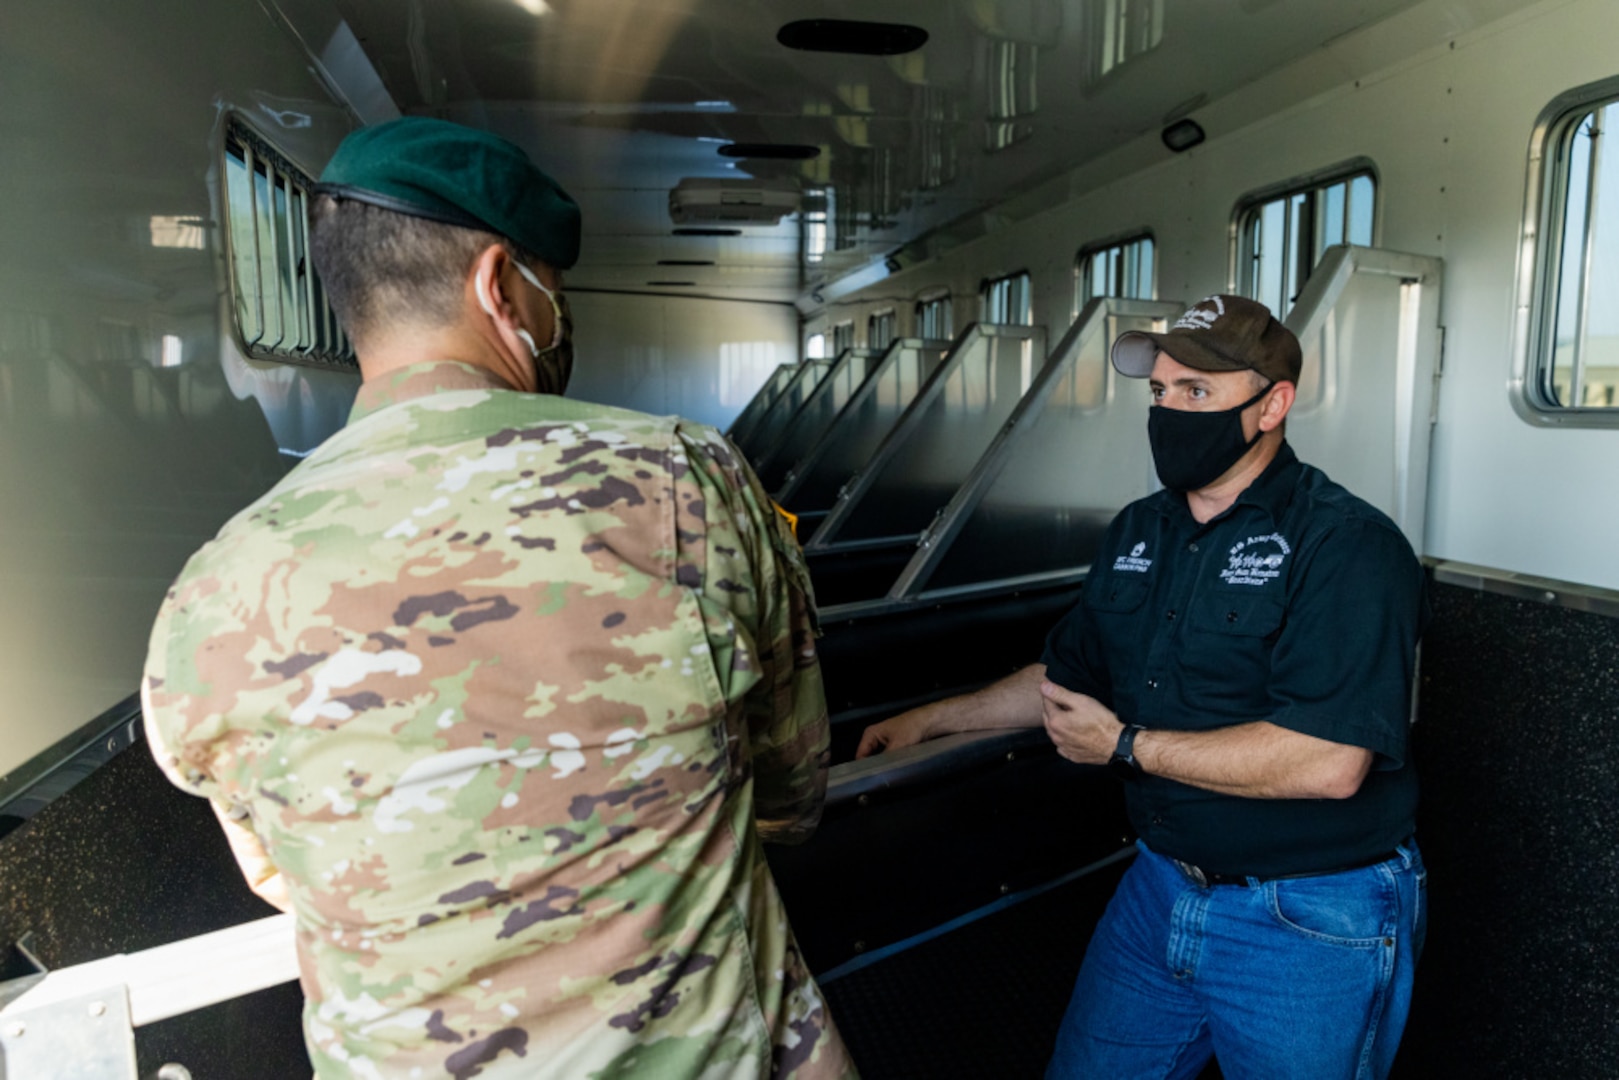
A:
1133	562
1257	560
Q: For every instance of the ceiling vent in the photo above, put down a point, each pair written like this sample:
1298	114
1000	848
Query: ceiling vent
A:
851	36
779	151
738	201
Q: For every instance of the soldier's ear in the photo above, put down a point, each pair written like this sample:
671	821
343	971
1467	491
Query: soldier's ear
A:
484	283
1277	406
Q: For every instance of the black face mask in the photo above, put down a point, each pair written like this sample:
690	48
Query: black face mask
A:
1191	450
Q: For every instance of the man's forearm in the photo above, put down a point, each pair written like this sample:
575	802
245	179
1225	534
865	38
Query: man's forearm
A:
1255	761
1013	702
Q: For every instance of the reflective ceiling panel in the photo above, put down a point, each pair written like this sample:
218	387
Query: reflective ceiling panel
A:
623	99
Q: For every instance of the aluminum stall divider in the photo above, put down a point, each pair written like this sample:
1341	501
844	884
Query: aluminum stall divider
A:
936	443
817	414
773	423
812	485
1368	321
763	398
1072	454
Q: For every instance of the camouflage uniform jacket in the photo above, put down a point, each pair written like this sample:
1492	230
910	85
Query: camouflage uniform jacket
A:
500	683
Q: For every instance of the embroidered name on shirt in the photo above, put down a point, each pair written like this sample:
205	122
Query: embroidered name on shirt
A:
1257	560
1133	562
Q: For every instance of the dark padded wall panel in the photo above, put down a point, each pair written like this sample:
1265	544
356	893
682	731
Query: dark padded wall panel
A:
1518	749
983	1001
125	862
902	862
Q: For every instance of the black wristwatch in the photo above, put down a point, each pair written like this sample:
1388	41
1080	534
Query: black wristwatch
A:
1123	762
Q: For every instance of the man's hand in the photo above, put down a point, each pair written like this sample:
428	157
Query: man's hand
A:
906	729
1083	729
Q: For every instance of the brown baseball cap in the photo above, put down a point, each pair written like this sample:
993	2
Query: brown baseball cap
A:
1219	333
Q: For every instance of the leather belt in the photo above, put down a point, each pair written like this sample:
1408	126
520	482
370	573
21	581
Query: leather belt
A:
1204	878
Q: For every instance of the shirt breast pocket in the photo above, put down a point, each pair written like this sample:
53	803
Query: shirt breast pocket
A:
1225	658
1115	595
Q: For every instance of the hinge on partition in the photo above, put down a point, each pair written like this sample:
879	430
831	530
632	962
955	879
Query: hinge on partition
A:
1438	374
87	1037
929	534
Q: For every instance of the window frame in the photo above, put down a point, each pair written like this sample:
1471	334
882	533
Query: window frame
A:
835	349
988	286
330	347
1312	181
1539	263
1118	240
892	315
947	301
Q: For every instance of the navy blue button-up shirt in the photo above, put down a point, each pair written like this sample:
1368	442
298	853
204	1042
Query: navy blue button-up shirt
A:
1300	605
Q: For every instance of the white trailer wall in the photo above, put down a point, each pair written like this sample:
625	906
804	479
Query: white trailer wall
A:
701	359
1443	99
130	425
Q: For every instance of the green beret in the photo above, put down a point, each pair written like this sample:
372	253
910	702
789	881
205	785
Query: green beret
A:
458	175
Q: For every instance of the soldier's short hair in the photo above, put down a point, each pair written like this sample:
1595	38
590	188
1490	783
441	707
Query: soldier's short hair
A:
380	267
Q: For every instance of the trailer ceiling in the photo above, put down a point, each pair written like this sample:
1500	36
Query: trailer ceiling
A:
623	99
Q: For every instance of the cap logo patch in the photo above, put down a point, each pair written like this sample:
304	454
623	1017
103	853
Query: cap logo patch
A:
1199	317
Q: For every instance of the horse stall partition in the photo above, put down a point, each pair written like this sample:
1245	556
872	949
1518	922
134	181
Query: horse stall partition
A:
935	445
870	535
747	420
1071	456
1368	321
774	420
813	485
818	413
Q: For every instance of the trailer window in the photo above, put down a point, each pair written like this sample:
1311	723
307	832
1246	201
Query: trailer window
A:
280	310
1007	301
880	329
1576	325
1281	234
1122	268
842	337
935	318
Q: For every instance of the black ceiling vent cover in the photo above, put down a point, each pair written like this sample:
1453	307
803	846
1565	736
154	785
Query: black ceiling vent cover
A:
685	262
850	36
671	284
708	232
783	151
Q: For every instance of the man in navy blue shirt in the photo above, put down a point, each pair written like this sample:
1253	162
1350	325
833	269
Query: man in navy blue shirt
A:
1243	658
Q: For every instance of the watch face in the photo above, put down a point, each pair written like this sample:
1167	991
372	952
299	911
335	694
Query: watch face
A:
1124	767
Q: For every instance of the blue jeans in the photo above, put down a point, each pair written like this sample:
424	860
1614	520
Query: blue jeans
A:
1296	977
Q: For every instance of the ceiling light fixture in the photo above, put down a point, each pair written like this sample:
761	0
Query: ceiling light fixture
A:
1183	135
534	7
851	36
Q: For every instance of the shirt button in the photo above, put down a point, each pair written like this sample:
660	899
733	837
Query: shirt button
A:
1156	820
1192	546
1152	684
1170	615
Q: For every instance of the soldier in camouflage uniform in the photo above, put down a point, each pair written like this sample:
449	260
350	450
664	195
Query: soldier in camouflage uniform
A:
500	692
